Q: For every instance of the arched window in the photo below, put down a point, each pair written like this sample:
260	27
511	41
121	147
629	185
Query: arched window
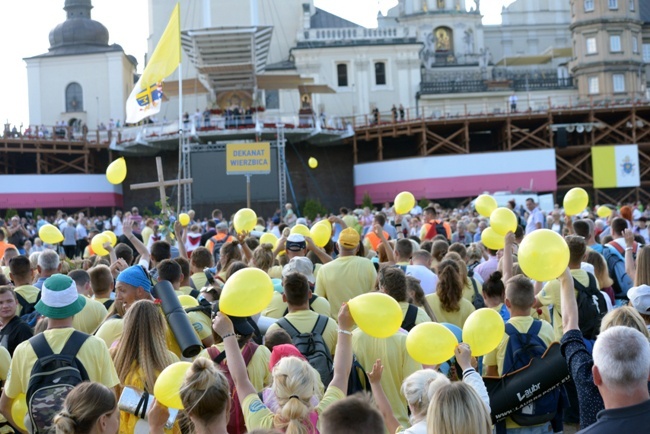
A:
74	98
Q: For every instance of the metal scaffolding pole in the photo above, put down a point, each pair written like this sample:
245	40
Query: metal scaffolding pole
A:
282	174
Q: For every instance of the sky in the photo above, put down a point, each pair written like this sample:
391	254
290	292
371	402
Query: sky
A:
27	23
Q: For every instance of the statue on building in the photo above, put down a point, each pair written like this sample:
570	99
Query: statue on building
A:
443	39
478	6
468	39
428	52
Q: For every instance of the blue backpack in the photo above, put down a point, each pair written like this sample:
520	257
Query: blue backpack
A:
522	347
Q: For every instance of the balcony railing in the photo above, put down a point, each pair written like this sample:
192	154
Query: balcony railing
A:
518	85
351	34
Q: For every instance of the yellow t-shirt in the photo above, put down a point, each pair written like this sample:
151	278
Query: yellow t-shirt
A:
305	320
420	317
496	357
258	416
258	368
275	272
5	361
277	307
90	317
343	279
147	232
29	293
550	294
468	290
93	355
201	323
397	366
110	331
183	290
199	279
456	318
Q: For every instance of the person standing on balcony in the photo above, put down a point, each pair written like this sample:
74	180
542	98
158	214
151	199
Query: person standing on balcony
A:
513	103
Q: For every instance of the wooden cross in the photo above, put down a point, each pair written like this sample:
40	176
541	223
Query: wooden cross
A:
161	184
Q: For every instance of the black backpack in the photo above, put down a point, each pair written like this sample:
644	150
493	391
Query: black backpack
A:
313	346
477	300
53	376
204	307
410	318
591	307
28	312
358	380
311	301
108	303
216	247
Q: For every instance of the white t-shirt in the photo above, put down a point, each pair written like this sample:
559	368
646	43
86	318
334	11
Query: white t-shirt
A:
428	279
116	223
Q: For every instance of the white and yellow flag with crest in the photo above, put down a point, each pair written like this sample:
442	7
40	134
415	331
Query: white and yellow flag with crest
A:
146	97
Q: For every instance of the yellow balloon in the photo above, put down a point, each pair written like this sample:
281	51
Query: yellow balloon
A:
184	219
543	255
116	171
19	411
431	343
377	314
604	211
404	202
321	233
188	301
503	220
575	201
269	238
246	293
245	220
313	163
50	234
485	204
97	244
492	240
111	236
167	389
301	229
483	331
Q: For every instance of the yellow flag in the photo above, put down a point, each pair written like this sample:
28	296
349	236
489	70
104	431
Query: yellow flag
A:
167	55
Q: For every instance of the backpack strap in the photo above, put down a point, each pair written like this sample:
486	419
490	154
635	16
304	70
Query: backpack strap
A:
75	341
475	286
311	301
108	303
24	304
535	327
617	246
321	324
192	285
248	352
411	315
40	346
195	293
288	327
216	355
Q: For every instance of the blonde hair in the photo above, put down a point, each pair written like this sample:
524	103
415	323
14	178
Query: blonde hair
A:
418	388
625	316
83	406
143	344
642	267
263	256
455	408
294	384
205	392
600	268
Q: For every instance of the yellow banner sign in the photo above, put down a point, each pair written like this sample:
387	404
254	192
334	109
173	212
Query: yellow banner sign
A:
248	158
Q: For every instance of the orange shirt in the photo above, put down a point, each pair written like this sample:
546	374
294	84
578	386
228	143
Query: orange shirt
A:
374	240
427	226
210	243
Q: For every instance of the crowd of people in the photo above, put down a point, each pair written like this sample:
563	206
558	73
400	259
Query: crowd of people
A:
84	338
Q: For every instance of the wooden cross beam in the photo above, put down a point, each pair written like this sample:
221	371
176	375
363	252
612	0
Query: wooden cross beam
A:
161	184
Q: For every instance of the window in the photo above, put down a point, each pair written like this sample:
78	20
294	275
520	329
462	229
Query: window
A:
380	74
615	43
589	5
632	5
591	45
635	43
342	74
272	99
74	100
593	85
613	4
618	81
646	52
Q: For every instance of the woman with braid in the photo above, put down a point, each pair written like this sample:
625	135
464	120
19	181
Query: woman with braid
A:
141	354
447	302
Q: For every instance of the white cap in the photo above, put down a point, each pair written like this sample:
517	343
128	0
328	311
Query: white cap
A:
640	298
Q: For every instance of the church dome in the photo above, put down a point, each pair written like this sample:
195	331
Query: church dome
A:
79	31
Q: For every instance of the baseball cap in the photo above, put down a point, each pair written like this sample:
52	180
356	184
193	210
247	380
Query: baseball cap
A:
301	221
59	298
222	226
302	265
296	243
281	351
642	219
243	326
640	298
349	238
276	220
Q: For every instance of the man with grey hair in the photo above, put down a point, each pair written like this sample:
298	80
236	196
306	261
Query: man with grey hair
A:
621	370
48	265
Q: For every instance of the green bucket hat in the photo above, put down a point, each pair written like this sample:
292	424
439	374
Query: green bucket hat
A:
59	298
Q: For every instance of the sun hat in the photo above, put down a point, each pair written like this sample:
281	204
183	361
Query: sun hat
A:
59	298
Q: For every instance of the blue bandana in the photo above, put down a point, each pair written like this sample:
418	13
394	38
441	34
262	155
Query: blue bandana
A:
135	276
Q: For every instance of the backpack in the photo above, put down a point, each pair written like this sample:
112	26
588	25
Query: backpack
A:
591	307
477	300
194	292
621	250
410	317
28	312
436	228
236	423
108	303
217	244
521	349
312	346
616	267
204	307
504	312
53	376
311	301
358	380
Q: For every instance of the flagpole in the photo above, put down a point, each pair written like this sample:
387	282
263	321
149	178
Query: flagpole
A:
180	134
